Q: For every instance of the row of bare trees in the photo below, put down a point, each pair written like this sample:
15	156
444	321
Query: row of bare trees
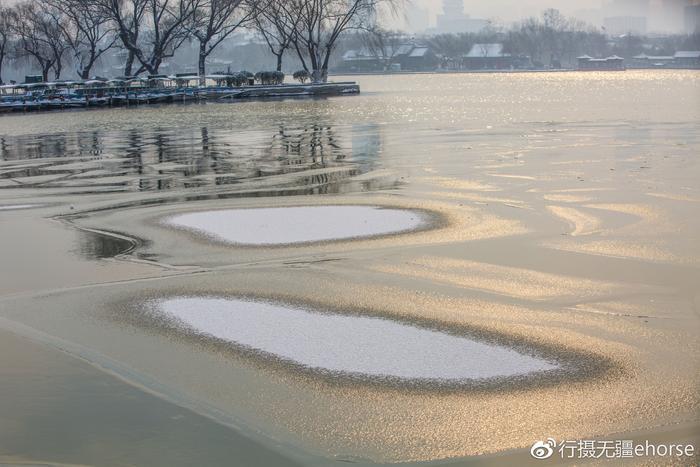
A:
53	33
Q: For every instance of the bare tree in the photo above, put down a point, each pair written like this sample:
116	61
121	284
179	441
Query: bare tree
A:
4	36
277	25
382	44
87	31
452	46
215	20
322	22
129	16
39	34
150	30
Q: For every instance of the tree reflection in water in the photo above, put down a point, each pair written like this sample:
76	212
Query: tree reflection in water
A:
156	159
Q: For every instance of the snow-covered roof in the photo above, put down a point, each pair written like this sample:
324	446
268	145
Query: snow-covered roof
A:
653	57
219	61
184	77
486	50
418	52
404	49
687	54
410	50
591	59
361	54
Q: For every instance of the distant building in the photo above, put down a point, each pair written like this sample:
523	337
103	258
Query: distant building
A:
420	58
669	17
687	59
691	17
613	63
652	61
455	21
491	57
626	16
626	7
619	25
404	57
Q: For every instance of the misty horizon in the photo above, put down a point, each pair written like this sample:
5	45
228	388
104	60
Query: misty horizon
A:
662	15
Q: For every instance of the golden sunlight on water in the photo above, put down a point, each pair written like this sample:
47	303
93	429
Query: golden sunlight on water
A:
553	217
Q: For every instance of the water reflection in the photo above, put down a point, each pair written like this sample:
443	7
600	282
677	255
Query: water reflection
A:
158	158
97	246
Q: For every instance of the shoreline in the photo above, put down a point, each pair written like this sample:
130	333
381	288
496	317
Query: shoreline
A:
99	98
495	72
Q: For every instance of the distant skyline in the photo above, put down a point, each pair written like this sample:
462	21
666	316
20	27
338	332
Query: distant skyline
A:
509	10
663	14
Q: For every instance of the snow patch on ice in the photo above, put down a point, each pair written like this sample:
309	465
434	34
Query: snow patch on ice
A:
270	226
348	344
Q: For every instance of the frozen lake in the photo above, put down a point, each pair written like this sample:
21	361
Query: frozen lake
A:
568	207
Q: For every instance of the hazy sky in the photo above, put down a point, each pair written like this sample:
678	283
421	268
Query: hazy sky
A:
662	14
509	10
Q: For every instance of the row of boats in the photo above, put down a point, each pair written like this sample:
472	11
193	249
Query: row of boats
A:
153	90
64	100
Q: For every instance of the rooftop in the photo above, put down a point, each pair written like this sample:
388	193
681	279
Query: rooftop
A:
687	54
403	50
486	50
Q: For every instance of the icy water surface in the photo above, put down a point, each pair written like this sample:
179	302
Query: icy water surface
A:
275	226
568	207
352	345
12	207
153	158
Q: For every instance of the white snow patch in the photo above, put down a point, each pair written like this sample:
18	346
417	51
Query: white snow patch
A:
270	226
348	344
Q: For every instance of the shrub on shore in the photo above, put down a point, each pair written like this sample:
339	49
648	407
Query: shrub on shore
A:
238	79
302	76
269	77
